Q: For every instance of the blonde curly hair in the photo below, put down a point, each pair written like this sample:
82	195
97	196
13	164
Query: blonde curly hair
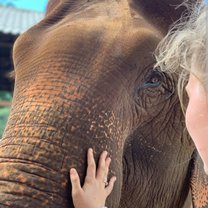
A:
187	41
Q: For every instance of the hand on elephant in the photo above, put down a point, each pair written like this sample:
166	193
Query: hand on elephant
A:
94	192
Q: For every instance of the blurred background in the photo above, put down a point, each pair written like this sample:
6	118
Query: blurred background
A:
16	16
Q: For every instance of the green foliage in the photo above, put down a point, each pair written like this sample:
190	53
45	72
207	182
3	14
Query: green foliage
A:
4	111
5	96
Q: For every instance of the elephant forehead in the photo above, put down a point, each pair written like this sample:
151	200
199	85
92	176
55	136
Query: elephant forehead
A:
86	39
93	26
98	37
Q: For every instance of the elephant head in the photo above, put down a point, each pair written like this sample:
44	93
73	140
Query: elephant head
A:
85	78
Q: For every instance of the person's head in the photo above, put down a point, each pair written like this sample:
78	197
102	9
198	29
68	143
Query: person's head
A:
185	51
186	44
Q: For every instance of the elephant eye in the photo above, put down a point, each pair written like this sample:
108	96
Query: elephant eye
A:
154	80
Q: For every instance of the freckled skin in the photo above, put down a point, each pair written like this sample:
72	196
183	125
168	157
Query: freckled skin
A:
84	78
199	186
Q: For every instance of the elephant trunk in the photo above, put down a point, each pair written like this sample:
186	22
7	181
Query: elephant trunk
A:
43	140
31	167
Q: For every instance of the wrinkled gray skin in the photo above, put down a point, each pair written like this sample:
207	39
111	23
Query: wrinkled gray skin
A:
85	78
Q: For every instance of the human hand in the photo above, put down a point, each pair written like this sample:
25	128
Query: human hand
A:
95	190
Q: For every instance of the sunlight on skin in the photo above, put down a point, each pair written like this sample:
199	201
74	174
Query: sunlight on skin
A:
197	117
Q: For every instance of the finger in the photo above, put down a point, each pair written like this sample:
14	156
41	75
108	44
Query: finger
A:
107	165
102	169
110	186
91	168
75	181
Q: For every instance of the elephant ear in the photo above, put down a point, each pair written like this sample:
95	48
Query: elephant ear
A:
199	184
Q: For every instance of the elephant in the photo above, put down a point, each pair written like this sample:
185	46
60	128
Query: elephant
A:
85	77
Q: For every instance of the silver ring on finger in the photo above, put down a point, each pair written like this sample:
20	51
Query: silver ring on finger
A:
106	183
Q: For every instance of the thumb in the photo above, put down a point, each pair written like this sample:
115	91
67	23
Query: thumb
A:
75	181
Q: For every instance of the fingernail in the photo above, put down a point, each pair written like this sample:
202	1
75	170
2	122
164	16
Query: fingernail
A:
72	171
108	161
90	150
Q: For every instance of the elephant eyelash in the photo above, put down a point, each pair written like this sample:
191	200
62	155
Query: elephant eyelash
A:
155	75
150	83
